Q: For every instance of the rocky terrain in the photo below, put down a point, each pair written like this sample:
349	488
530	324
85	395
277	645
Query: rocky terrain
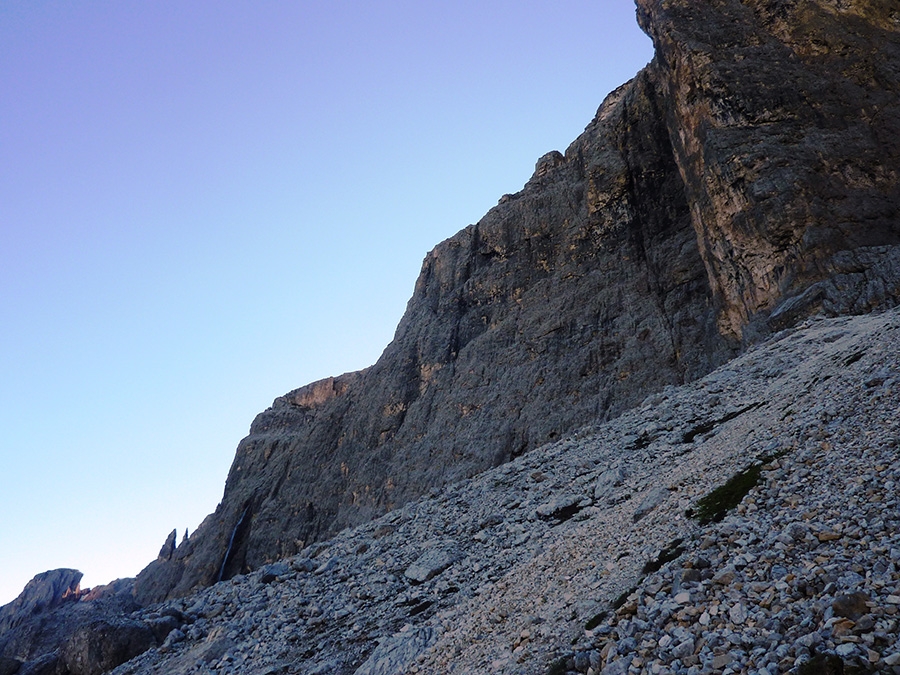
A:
581	556
745	179
507	489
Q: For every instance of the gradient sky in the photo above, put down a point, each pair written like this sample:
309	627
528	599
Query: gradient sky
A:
204	205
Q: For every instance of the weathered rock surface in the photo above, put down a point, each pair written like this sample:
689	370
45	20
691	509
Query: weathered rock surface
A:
102	645
747	178
767	588
785	121
805	569
745	181
54	628
565	304
43	593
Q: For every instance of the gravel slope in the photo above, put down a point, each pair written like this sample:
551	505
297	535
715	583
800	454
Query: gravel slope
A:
503	573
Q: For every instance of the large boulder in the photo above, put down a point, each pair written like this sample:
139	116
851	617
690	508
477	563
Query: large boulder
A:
102	645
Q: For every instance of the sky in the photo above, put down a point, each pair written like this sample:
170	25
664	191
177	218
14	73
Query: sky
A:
204	205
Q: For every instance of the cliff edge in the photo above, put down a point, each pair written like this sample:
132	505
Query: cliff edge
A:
746	179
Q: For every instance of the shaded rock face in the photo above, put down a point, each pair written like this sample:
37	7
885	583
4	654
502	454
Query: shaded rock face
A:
103	645
744	180
43	593
55	628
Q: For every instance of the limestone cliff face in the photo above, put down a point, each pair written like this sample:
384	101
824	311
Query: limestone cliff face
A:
746	178
785	122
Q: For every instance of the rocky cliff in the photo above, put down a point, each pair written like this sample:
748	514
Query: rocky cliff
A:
748	522
745	179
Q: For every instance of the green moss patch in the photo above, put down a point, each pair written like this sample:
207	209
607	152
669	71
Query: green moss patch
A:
668	554
713	507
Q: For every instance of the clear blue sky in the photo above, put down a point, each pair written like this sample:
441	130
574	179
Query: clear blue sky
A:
206	204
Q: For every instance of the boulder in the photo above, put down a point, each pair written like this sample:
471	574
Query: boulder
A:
105	644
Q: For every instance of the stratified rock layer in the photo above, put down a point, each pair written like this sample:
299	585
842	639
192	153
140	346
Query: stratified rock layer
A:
744	180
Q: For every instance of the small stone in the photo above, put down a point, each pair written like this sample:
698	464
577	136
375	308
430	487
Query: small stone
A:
430	564
619	667
851	606
271	572
582	662
721	660
607	482
560	508
691	575
809	640
173	638
738	613
865	624
842	627
653	499
683	649
845	649
724	576
827	536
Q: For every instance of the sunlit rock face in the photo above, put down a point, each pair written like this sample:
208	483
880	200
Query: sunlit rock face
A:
785	122
747	178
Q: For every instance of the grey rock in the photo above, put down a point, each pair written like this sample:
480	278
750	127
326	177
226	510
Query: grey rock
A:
118	587
739	189
9	666
168	548
652	499
48	664
851	605
725	575
172	639
709	203
162	626
270	573
560	508
604	488
395	654
683	649
430	564
619	667
44	592
103	645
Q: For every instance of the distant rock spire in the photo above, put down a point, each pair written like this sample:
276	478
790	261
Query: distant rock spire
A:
165	553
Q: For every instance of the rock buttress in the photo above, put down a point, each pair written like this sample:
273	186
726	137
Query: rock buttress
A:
566	304
785	119
747	178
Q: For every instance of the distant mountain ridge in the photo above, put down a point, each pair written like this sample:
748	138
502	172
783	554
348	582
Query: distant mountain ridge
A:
745	179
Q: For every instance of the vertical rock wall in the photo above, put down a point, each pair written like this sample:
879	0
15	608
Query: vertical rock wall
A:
745	178
785	121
